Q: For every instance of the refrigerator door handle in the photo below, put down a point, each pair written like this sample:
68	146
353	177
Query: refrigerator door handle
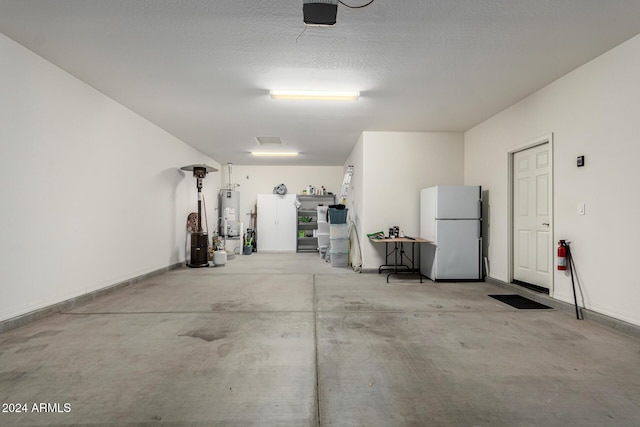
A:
480	208
479	229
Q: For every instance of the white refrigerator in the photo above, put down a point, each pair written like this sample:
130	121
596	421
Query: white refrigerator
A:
451	217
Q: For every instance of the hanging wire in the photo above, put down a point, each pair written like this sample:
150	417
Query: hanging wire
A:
305	29
356	7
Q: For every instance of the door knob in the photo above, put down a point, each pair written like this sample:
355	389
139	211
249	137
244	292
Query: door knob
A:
545	223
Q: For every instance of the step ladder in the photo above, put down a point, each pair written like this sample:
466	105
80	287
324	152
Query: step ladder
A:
342	199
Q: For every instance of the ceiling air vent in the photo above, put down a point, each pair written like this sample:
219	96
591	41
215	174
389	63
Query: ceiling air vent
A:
269	141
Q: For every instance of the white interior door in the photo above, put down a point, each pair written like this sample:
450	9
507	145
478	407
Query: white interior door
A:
532	246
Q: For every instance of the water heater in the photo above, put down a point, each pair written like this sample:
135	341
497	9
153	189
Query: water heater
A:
229	213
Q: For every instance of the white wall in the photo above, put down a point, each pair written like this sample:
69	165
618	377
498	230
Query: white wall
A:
593	111
91	193
255	180
355	196
395	166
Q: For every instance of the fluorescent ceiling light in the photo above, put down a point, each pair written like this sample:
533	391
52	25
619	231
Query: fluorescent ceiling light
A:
275	153
316	95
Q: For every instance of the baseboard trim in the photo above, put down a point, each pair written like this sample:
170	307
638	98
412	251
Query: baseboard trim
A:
32	316
590	315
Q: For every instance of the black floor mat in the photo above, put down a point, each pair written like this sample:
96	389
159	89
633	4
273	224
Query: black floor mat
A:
520	302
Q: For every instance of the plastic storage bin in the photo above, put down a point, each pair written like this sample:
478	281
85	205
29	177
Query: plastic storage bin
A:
338	231
339	259
338	216
339	245
323	240
323	228
322	213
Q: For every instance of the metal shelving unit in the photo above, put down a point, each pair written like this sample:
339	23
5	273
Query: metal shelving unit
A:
308	208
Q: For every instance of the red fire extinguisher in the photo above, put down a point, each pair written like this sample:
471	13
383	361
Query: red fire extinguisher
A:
562	255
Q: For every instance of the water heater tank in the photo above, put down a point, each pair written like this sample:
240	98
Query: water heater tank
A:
229	213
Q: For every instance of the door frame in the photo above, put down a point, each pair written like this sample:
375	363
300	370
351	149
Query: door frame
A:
548	139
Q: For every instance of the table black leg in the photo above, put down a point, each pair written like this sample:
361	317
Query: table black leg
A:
386	257
395	256
413	259
399	252
395	260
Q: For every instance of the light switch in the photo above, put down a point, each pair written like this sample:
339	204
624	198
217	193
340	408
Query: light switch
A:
580	208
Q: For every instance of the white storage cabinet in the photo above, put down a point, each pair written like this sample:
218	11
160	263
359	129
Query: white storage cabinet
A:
276	223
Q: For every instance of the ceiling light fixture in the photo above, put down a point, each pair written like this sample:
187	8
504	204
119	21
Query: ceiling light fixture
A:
275	153
315	95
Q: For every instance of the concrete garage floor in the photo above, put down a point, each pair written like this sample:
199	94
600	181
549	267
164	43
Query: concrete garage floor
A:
274	339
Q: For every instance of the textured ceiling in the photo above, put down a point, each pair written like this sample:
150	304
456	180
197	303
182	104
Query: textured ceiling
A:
202	69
